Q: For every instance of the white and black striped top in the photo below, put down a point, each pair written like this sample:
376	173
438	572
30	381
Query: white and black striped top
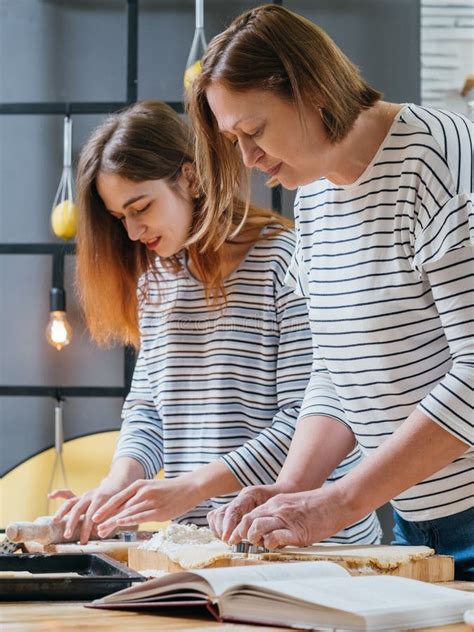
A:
388	265
226	385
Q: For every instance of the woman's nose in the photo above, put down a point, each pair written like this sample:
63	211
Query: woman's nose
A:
135	228
251	152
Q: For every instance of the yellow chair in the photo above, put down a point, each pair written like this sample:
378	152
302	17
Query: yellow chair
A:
23	491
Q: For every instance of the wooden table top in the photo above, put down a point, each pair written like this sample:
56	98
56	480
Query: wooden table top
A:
73	617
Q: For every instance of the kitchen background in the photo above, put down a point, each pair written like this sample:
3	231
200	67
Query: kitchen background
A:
74	51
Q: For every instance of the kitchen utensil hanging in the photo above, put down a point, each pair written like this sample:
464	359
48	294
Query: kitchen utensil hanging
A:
58	474
198	47
64	211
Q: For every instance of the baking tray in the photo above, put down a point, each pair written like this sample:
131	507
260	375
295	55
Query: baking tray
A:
101	575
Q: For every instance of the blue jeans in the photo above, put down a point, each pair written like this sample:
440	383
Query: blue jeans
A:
451	535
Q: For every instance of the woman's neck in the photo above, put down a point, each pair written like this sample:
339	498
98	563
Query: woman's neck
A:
350	158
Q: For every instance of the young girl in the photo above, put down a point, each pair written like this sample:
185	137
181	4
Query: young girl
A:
224	345
385	235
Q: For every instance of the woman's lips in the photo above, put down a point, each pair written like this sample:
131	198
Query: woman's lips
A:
274	170
151	245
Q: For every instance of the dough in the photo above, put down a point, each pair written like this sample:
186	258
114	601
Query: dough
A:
191	556
188	545
196	547
379	556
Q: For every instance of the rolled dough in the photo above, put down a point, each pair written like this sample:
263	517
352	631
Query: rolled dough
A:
188	545
379	556
196	547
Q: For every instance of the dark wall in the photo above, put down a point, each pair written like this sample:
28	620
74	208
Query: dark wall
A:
72	50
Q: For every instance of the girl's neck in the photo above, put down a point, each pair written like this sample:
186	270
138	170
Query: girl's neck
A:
233	252
350	158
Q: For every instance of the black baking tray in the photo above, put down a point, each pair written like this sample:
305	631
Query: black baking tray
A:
101	575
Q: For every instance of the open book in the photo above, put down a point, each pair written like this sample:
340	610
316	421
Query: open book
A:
300	594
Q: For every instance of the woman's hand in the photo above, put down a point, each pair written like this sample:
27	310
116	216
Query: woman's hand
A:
144	501
296	519
225	519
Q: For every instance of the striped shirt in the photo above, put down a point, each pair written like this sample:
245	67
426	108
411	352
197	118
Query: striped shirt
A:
388	265
224	384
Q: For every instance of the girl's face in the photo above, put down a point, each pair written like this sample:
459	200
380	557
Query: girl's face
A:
153	212
270	134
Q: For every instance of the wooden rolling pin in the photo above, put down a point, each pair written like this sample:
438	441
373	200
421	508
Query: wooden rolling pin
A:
45	531
42	530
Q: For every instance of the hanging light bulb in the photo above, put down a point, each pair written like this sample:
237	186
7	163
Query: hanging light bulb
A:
58	330
64	212
198	47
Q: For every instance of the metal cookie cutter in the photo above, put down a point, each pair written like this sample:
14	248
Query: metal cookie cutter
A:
134	536
128	536
247	548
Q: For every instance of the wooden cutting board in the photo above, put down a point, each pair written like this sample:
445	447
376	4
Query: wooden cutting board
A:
435	568
115	549
141	559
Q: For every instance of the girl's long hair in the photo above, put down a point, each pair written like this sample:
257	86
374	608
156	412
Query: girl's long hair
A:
147	141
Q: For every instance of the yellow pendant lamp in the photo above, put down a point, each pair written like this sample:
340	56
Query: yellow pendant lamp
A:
198	47
64	212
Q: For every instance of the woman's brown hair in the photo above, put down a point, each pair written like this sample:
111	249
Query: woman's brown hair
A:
269	48
147	141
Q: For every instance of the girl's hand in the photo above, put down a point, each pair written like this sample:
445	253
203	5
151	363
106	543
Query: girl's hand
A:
123	471
144	501
61	493
77	507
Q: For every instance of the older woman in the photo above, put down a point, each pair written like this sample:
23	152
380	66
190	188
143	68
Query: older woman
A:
384	254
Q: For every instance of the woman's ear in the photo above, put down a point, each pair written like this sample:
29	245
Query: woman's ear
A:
189	175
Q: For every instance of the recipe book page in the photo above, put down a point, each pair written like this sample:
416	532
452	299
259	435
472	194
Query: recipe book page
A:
222	579
213	582
363	595
374	602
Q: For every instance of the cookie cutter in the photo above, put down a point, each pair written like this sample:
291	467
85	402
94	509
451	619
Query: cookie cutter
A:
247	548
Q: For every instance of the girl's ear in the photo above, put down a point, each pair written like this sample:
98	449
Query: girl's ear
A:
189	175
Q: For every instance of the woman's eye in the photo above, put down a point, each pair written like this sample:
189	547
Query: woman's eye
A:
256	134
142	210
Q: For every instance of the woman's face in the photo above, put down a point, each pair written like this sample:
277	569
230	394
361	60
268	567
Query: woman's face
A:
270	134
153	212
